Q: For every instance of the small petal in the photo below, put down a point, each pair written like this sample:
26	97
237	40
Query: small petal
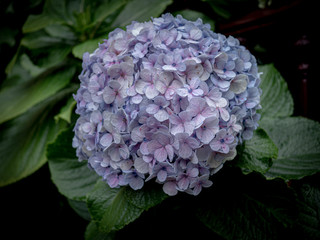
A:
185	151
170	188
151	92
161	115
152	109
106	140
162	175
160	154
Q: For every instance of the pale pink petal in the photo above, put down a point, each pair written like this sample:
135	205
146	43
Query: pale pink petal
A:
210	112
230	74
137	134
207	136
194	172
183	183
174	119
152	108
225	148
144	148
162	138
222	102
177	129
185	116
224	114
161	87
108	95
185	151
147	159
161	115
162	175
124	152
169	68
106	140
170	188
192	142
140	86
151	92
115	85
198	121
160	154
183	92
131	91
137	99
114	154
153	145
141	166
170	151
215	145
189	127
197	92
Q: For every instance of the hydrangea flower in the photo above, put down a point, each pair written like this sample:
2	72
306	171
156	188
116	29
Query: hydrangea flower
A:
166	100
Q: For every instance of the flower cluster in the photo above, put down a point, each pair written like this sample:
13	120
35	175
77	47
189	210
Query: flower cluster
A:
166	99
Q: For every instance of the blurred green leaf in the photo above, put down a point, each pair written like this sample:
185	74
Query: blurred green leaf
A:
73	178
51	57
80	207
308	204
37	22
87	46
220	7
19	98
60	31
39	39
29	66
140	11
93	233
257	153
66	111
8	35
298	141
107	8
23	140
247	207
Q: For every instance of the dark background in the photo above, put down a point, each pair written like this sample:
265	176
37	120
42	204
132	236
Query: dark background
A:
283	34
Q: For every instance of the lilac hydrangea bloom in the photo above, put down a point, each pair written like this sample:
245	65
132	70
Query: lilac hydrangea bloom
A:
165	100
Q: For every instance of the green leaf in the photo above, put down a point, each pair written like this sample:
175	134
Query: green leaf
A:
73	178
37	22
66	111
140	11
40	39
247	207
276	100
23	140
28	65
52	57
298	141
221	7
19	98
58	10
80	207
256	154
193	15
60	31
308	204
106	9
113	208
93	233
87	46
